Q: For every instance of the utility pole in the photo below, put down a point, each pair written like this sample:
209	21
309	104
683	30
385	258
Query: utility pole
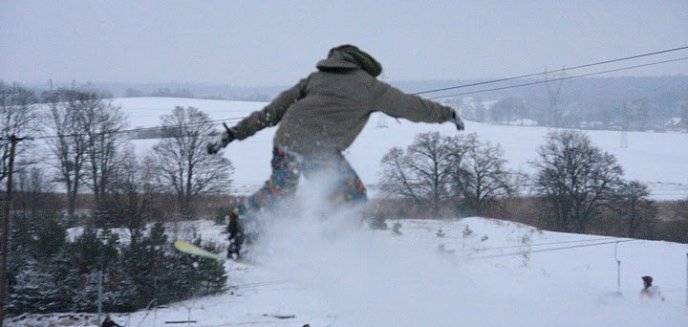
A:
100	295
5	228
625	124
553	91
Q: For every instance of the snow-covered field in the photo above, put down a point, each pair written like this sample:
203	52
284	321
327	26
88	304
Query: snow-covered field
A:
467	272
658	159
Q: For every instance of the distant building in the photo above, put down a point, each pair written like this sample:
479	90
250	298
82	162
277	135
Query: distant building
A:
676	124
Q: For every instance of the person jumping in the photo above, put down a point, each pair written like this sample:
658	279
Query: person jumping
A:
318	119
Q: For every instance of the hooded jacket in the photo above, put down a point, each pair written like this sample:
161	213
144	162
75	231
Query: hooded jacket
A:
325	112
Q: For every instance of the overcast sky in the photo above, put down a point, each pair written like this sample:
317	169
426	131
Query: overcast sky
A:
278	42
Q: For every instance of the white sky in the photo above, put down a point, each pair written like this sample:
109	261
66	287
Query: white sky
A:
278	42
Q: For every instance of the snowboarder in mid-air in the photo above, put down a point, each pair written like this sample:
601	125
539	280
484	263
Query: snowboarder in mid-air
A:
318	119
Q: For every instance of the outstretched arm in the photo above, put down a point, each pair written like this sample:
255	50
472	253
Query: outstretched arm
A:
268	116
396	103
271	114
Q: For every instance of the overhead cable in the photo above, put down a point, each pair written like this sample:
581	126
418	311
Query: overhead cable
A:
505	79
520	253
560	78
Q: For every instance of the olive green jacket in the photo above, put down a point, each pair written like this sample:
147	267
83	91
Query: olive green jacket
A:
325	112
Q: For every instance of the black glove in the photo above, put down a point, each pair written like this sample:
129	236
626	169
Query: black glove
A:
226	137
457	121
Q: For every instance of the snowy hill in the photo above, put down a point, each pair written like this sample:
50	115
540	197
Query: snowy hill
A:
467	272
658	159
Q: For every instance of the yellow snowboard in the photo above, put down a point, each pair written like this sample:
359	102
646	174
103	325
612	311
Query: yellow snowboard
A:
186	247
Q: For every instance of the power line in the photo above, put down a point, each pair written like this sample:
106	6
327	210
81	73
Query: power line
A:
519	253
596	239
654	53
142	109
139	129
549	243
560	78
582	241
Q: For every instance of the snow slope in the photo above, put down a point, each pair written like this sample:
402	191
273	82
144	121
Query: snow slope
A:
658	159
481	272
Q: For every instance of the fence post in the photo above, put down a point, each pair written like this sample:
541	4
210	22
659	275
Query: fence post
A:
618	268
100	296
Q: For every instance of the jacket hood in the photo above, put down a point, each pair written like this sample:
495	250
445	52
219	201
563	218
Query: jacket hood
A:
349	57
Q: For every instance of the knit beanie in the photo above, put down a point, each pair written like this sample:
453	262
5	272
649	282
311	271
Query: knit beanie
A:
367	62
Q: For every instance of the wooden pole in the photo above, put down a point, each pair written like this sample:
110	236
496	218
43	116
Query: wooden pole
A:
5	230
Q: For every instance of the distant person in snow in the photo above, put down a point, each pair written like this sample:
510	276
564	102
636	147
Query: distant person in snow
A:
236	237
319	118
109	323
649	291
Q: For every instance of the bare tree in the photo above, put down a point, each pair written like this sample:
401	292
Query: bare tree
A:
183	165
574	179
70	145
131	193
33	186
481	176
87	133
397	177
422	173
100	122
18	117
631	201
508	109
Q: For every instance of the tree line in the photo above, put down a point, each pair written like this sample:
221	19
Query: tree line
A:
89	151
576	186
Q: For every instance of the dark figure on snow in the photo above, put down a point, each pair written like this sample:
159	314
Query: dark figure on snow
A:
109	323
649	291
236	235
319	118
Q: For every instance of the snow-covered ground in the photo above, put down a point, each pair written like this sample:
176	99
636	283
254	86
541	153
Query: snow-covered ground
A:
327	274
658	159
467	272
479	272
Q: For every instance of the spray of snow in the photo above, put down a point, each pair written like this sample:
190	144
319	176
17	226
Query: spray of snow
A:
368	280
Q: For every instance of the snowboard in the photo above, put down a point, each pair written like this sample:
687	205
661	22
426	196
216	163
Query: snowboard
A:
188	248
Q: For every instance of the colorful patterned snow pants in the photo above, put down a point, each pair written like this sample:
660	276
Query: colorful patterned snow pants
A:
286	171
